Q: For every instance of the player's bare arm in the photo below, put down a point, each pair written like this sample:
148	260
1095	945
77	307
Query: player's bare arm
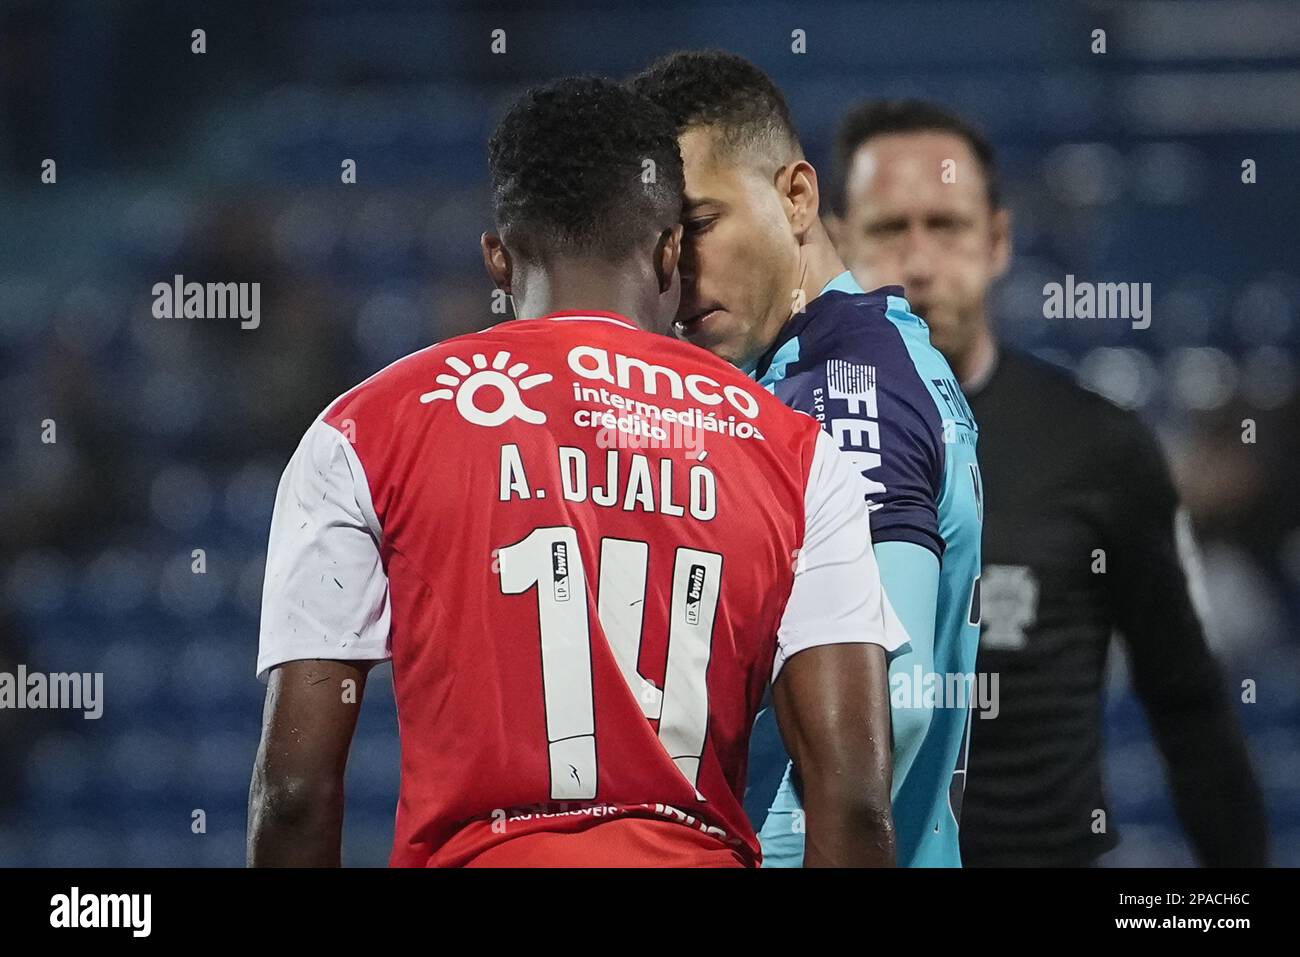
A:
295	803
832	705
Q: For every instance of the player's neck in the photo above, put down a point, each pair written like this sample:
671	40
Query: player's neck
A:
578	288
821	263
975	366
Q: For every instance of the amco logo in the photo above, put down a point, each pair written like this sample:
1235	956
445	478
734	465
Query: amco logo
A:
627	372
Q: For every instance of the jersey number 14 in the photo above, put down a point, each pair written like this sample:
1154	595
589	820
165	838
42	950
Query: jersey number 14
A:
549	560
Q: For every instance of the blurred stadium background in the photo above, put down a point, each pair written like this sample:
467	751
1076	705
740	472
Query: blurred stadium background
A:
225	167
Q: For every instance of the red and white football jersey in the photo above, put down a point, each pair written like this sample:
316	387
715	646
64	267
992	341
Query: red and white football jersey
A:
587	550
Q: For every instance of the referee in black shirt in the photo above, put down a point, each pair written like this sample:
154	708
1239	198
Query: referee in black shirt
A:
1079	527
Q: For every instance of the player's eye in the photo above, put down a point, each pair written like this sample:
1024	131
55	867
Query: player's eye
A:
886	228
699	224
949	224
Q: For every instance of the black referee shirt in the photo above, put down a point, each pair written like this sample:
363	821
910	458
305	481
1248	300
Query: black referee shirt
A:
1078	544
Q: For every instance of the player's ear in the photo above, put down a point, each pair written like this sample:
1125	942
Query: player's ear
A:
797	184
1001	246
668	252
497	262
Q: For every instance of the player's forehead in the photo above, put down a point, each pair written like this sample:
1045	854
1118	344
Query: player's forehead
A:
922	169
712	167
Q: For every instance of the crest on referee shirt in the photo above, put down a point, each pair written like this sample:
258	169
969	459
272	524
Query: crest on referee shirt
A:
1009	606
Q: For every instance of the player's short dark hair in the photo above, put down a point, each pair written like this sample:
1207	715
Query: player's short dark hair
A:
718	89
874	118
570	175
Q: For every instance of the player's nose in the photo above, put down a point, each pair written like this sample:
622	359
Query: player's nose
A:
916	281
918	263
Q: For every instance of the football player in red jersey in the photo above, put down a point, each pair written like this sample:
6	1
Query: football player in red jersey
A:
588	551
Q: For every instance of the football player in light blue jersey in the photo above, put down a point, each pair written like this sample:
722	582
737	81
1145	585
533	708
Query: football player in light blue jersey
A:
763	287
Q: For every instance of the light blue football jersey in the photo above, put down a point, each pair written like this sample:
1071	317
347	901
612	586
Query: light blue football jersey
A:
862	365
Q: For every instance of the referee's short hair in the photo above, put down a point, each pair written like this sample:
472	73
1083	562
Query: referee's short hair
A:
873	118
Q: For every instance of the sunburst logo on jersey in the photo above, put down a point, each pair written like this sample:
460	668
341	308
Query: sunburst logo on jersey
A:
509	382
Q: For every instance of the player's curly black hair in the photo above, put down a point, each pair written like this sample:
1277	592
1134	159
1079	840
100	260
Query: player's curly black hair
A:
584	166
718	89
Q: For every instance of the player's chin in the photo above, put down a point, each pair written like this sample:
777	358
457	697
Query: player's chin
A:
720	347
938	316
